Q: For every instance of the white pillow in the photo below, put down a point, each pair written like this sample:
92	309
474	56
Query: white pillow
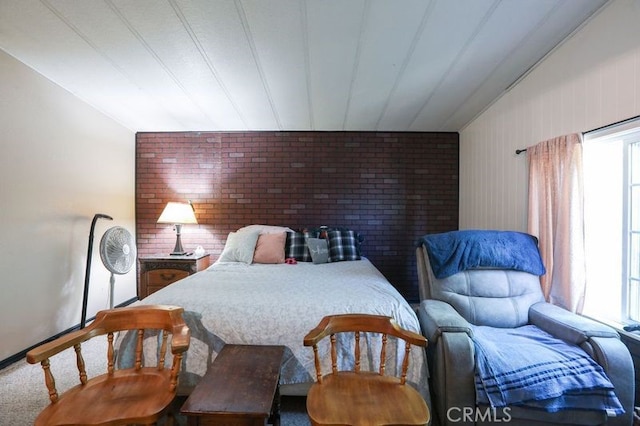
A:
239	247
265	229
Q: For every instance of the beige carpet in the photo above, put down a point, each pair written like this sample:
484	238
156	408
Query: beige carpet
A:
23	392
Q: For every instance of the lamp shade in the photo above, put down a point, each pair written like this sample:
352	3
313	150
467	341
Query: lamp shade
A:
178	213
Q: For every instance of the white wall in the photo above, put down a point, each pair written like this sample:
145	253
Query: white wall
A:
592	80
62	161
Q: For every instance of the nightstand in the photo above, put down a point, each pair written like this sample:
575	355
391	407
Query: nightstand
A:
159	271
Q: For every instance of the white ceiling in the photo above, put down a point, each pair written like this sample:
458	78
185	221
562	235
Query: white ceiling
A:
369	65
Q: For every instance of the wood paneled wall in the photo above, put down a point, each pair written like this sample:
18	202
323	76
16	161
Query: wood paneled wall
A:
592	80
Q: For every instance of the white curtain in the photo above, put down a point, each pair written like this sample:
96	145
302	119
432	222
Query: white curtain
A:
556	218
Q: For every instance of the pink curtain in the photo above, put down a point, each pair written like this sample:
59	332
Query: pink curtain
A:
556	218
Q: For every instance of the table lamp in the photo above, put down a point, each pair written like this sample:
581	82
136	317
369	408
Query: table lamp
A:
178	214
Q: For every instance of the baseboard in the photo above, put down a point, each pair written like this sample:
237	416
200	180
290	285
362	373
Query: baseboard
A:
20	355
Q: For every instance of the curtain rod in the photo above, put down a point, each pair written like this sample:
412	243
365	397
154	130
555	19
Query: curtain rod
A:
617	123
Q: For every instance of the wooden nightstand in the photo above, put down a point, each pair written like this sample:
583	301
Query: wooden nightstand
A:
159	271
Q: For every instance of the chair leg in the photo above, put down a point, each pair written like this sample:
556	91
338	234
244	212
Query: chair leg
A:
170	419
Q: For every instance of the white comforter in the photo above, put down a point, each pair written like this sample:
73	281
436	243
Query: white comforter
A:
277	305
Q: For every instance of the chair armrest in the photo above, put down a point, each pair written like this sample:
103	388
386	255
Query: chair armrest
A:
49	349
451	357
615	359
181	339
437	317
566	325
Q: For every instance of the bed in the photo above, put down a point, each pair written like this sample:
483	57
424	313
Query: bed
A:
277	303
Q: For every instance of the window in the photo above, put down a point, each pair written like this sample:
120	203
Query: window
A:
633	259
612	223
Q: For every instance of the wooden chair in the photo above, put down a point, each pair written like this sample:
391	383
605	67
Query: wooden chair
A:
363	397
137	395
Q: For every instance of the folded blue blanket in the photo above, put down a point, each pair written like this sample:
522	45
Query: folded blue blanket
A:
456	251
528	367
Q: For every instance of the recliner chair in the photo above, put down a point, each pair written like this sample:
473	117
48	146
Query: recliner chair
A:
505	298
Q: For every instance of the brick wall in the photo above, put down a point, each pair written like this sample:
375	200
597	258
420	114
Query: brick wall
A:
391	187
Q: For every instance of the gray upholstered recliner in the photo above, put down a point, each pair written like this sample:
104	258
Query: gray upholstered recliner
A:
507	299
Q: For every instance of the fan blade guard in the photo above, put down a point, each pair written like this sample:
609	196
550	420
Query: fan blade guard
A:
117	250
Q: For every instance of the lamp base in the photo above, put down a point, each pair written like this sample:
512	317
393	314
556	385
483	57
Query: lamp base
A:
178	250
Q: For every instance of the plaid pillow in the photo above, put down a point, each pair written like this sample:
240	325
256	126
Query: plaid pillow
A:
296	246
343	245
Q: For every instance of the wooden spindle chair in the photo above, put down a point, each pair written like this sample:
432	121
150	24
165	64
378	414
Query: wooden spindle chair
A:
360	396
137	395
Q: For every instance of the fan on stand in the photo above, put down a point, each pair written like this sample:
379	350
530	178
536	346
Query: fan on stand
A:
118	253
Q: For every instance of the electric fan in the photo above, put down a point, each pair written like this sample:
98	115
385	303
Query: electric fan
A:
118	253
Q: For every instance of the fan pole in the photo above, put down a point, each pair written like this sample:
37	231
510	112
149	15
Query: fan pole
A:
112	282
85	295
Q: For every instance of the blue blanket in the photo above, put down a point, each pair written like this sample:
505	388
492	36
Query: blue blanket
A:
456	251
528	367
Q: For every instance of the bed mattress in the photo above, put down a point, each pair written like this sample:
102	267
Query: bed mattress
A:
277	304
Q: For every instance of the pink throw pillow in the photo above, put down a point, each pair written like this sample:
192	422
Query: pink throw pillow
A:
270	248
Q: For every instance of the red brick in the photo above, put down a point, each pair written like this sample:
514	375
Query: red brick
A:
391	187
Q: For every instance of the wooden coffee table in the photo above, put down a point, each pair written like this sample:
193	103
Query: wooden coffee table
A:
240	388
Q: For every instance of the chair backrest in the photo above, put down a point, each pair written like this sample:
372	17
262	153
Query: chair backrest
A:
358	324
492	297
163	321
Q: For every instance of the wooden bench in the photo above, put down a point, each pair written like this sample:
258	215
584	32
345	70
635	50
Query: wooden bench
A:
240	388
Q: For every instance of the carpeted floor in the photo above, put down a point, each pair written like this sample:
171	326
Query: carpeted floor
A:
23	392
